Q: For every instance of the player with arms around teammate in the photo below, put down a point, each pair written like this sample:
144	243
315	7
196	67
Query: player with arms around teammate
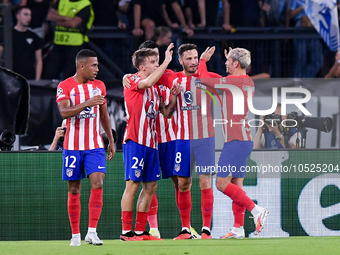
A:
237	143
142	104
195	139
81	100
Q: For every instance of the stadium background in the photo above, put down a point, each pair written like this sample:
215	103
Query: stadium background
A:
34	198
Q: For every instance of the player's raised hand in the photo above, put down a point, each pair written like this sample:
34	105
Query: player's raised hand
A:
226	52
207	54
168	53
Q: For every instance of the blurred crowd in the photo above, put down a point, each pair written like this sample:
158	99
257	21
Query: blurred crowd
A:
50	52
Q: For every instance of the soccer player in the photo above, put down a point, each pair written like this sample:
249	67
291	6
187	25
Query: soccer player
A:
237	142
81	100
142	103
195	139
166	129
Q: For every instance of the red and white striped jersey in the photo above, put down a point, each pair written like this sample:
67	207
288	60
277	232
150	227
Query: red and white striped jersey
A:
194	118
83	130
141	107
236	127
166	128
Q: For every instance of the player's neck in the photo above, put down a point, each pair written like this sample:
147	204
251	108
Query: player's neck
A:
80	79
239	72
143	74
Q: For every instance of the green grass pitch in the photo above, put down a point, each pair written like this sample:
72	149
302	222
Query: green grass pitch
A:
285	246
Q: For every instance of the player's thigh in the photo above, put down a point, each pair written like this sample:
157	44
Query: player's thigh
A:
182	158
233	159
204	151
141	163
167	154
73	166
94	161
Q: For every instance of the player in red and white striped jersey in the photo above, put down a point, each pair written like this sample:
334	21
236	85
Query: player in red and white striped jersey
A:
143	103
81	100
238	144
195	137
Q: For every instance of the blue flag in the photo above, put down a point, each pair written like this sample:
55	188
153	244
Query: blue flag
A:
324	16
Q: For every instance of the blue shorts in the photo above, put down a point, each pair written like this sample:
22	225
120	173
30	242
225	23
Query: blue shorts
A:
233	159
75	163
167	152
188	151
141	163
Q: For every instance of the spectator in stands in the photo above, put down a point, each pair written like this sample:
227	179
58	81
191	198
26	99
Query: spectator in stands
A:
276	12
39	10
73	20
107	13
58	140
27	59
195	13
334	72
242	13
163	37
305	67
274	135
148	14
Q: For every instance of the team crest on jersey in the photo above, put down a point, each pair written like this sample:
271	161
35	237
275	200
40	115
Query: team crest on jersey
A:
60	91
69	172
177	167
188	97
138	173
162	87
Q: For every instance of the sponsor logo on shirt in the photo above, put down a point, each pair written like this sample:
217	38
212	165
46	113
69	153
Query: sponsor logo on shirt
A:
189	99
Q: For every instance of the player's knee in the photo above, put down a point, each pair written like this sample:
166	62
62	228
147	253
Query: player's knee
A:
220	184
97	184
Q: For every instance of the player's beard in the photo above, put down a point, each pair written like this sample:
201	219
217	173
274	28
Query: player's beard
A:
192	69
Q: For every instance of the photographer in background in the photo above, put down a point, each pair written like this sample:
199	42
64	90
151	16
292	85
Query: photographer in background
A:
274	136
58	140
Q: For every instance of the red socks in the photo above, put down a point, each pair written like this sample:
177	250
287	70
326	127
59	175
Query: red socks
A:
95	207
184	207
152	215
239	196
238	215
73	208
141	220
207	201
127	220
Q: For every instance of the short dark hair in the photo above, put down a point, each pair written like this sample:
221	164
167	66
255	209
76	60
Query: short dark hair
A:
148	45
184	47
140	55
20	8
85	53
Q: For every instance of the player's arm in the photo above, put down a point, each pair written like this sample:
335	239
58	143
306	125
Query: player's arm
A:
105	121
154	77
67	111
168	110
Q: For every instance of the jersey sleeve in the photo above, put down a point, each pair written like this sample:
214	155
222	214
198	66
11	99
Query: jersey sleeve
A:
62	92
166	79
134	80
102	87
